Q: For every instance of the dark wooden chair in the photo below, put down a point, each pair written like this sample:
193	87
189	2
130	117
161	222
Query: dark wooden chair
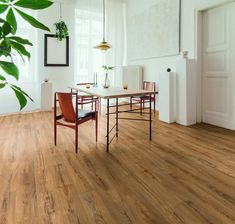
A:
71	116
150	86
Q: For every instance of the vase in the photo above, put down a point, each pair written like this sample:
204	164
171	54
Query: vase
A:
184	54
106	81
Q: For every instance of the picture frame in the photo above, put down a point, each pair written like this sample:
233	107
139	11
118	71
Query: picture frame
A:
56	53
152	21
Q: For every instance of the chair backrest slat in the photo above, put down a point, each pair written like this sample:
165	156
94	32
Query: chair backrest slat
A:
66	106
85	83
150	86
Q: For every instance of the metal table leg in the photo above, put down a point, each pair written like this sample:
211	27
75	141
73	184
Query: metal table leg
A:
117	117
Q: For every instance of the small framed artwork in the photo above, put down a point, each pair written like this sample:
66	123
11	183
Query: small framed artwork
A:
56	53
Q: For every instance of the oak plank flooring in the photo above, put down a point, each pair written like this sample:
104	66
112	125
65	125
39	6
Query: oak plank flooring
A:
185	175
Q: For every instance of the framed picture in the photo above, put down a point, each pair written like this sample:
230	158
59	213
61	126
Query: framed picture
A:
161	21
56	53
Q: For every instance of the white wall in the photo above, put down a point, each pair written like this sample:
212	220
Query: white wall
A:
188	23
154	67
61	77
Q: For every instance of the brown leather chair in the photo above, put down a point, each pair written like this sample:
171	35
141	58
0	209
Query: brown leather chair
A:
72	117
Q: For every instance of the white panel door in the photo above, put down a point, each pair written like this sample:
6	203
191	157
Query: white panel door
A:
218	66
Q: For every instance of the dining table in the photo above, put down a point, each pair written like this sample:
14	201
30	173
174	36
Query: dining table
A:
115	94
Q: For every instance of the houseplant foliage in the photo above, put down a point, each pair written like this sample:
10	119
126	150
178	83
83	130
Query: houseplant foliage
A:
108	68
61	30
10	43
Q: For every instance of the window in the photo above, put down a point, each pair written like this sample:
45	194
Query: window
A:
28	79
27	68
88	30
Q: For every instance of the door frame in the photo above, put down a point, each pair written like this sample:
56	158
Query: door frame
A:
198	13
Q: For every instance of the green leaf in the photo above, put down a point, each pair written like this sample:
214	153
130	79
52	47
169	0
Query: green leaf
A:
3	8
6	28
7	40
21	40
2	78
19	89
61	30
10	68
34	4
32	21
2	85
5	47
11	19
20	48
2	20
20	96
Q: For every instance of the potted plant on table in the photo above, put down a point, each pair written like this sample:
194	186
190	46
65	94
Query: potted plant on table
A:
106	80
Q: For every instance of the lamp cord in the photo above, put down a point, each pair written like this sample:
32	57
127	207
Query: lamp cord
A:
103	20
60	10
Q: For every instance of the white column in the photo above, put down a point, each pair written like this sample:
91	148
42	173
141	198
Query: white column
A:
167	97
46	96
186	99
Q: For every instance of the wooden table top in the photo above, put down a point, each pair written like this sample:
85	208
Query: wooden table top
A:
113	92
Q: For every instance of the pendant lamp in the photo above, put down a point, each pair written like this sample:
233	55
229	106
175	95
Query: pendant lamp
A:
103	46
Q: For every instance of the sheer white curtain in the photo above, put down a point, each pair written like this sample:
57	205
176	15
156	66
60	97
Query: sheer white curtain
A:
116	36
88	31
28	80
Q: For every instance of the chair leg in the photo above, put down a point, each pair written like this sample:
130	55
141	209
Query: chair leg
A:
55	133
92	104
154	104
141	106
131	103
97	104
96	127
100	104
76	139
55	124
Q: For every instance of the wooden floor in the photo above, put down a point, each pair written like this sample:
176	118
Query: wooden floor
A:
185	175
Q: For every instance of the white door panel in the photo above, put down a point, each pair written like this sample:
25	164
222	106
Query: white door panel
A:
218	72
217	27
216	62
217	92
